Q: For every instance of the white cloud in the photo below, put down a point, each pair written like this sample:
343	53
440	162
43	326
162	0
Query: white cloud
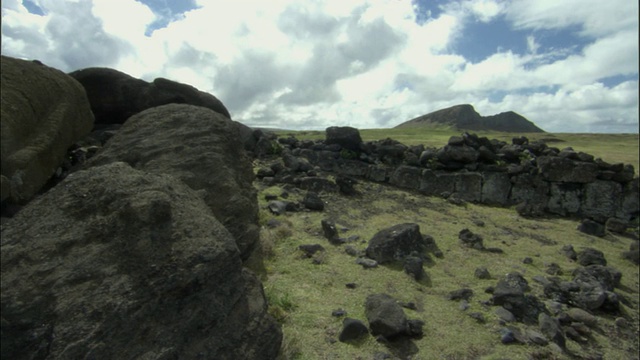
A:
594	17
294	64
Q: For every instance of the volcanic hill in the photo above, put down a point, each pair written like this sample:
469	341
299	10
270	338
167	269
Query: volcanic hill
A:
465	117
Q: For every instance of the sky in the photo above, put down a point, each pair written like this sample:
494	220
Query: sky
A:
568	66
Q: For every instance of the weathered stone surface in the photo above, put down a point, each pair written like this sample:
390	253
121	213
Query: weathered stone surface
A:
551	328
591	227
468	186
565	198
460	154
435	184
396	243
590	256
406	177
385	316
115	96
352	329
601	199
345	136
469	239
43	112
198	146
120	261
496	187
562	169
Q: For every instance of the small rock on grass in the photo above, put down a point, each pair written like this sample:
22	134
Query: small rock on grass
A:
352	329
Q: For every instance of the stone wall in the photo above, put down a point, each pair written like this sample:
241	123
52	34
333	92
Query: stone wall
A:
539	178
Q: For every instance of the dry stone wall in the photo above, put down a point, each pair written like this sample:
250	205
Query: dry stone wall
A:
539	178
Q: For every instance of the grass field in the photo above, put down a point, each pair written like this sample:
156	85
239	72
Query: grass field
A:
303	292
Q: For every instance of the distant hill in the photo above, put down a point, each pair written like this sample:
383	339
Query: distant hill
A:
465	117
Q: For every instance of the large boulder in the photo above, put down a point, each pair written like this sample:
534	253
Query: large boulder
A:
115	96
44	111
200	147
396	243
386	317
345	136
117	263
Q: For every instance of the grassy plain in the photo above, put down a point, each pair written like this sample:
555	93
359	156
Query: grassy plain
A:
303	292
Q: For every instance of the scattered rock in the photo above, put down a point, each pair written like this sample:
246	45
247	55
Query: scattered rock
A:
413	266
310	249
479	317
460	294
352	329
591	227
527	260
591	256
633	254
616	225
504	314
312	201
569	252
367	263
536	337
551	328
338	313
385	316
396	243
553	269
331	232
482	273
469	239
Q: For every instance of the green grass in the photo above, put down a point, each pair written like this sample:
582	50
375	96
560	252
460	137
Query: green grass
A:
304	294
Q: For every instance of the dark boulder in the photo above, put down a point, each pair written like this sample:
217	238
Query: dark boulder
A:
116	96
591	227
396	243
43	113
385	316
469	239
345	136
510	293
312	201
414	266
551	328
352	329
633	254
198	146
121	261
591	256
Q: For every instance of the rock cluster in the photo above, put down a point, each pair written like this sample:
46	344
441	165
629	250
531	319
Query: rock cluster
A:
136	249
538	178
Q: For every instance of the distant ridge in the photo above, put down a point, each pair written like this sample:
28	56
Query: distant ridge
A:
465	117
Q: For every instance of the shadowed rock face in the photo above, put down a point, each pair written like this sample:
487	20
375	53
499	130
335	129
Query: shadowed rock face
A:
118	263
115	96
200	147
44	111
465	117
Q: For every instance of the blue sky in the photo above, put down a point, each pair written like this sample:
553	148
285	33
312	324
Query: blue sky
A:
569	66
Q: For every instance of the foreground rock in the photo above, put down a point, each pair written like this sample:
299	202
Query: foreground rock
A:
195	145
125	264
115	96
44	111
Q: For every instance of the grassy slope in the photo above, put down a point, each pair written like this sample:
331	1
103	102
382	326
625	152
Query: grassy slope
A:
303	294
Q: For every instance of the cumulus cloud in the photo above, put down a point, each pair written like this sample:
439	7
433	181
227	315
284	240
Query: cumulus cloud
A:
295	64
